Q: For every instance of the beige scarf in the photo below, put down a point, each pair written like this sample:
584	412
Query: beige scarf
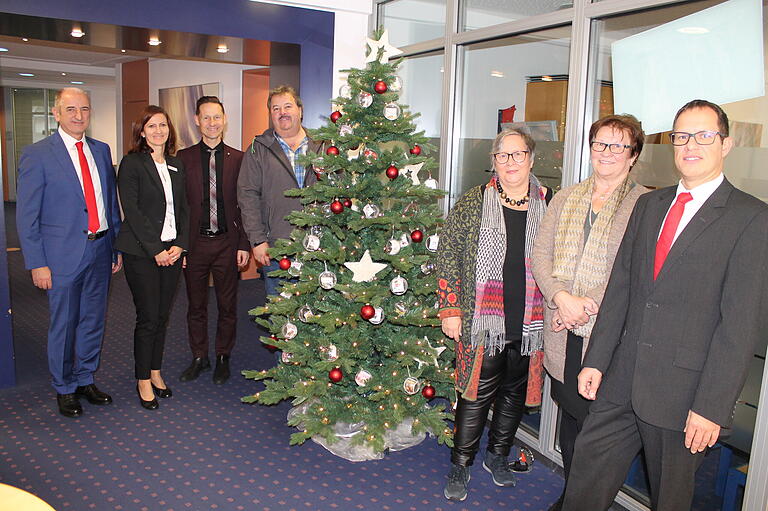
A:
588	269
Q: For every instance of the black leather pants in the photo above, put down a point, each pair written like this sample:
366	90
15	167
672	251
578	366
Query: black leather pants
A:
503	383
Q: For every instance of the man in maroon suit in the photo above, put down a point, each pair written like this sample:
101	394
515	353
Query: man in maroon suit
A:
218	244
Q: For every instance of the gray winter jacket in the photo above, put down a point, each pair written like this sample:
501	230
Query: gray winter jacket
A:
265	175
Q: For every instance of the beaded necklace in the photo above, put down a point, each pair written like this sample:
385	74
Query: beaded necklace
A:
506	199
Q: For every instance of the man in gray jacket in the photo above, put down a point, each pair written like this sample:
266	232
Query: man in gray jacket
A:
270	167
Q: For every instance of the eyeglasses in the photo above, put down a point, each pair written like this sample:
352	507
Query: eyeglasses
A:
517	156
701	137
599	147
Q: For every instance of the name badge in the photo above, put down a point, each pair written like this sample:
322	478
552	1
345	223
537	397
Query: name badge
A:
171	167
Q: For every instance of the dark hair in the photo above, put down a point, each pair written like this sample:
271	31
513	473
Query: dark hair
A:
722	117
528	140
208	99
139	143
623	122
284	89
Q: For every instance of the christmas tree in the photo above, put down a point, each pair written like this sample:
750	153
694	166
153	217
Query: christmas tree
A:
363	357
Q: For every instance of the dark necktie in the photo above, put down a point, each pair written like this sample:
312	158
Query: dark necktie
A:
214	214
668	232
90	194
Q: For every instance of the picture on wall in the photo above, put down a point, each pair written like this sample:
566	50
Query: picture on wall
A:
180	103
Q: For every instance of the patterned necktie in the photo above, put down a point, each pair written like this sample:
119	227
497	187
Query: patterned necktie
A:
213	211
668	232
90	194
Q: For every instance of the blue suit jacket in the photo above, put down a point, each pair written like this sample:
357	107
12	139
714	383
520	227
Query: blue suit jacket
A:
51	215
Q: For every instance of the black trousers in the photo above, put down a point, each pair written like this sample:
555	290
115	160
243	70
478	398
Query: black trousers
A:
503	383
610	439
212	256
153	288
573	407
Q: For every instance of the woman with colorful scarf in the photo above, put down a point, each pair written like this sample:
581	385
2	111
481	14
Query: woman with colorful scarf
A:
572	260
490	306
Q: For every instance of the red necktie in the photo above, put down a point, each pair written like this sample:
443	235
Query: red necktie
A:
668	232
90	195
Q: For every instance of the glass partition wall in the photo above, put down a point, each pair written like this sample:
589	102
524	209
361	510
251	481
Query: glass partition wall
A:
547	66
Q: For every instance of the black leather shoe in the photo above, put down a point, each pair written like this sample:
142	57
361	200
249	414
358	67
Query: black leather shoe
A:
93	395
149	405
69	406
163	393
221	373
197	366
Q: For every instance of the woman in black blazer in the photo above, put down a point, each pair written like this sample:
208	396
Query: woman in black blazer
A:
153	237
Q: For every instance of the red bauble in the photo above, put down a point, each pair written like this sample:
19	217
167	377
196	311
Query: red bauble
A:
335	375
335	116
416	150
380	87
428	392
337	207
367	312
392	172
417	236
347	203
332	151
284	263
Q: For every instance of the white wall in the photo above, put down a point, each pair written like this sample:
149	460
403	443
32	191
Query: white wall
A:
165	73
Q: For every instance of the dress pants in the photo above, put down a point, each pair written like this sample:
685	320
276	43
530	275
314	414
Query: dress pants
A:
153	288
78	305
573	407
610	439
211	256
503	383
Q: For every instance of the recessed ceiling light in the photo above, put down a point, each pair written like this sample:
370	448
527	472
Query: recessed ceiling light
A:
63	74
497	74
546	78
25	39
3	49
222	48
26	74
77	32
122	51
154	41
693	30
76	82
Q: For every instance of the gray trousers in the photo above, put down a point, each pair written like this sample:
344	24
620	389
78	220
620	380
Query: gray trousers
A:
610	439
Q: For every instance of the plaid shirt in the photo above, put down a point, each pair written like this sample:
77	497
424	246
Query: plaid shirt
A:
292	156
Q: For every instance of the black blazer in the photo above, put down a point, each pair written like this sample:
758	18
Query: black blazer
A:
194	177
684	341
143	201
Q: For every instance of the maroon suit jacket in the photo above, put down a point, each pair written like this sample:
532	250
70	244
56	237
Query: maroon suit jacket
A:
192	165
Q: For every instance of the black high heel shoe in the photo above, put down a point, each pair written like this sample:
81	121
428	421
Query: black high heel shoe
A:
149	405
163	393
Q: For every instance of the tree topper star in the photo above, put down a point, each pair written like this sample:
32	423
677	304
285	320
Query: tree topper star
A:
383	44
366	269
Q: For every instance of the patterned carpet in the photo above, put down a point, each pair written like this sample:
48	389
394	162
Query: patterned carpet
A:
203	449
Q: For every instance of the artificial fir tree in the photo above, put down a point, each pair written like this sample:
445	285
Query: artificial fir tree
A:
357	322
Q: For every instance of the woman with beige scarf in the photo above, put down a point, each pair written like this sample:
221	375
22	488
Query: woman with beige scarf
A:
572	260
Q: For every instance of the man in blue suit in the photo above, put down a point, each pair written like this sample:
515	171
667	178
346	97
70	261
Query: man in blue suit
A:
68	217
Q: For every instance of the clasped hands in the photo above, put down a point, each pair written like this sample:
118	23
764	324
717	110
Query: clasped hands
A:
572	311
169	257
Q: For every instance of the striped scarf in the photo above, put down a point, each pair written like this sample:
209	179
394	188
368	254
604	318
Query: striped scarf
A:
588	269
488	319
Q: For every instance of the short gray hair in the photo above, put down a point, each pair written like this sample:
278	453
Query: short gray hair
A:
530	143
59	93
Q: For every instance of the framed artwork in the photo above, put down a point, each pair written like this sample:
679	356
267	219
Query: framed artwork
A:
180	103
541	131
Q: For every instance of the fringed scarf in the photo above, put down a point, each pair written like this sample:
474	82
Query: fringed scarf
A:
488	319
588	269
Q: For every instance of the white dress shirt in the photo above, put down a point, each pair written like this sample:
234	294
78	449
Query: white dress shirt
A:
69	143
700	195
169	225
